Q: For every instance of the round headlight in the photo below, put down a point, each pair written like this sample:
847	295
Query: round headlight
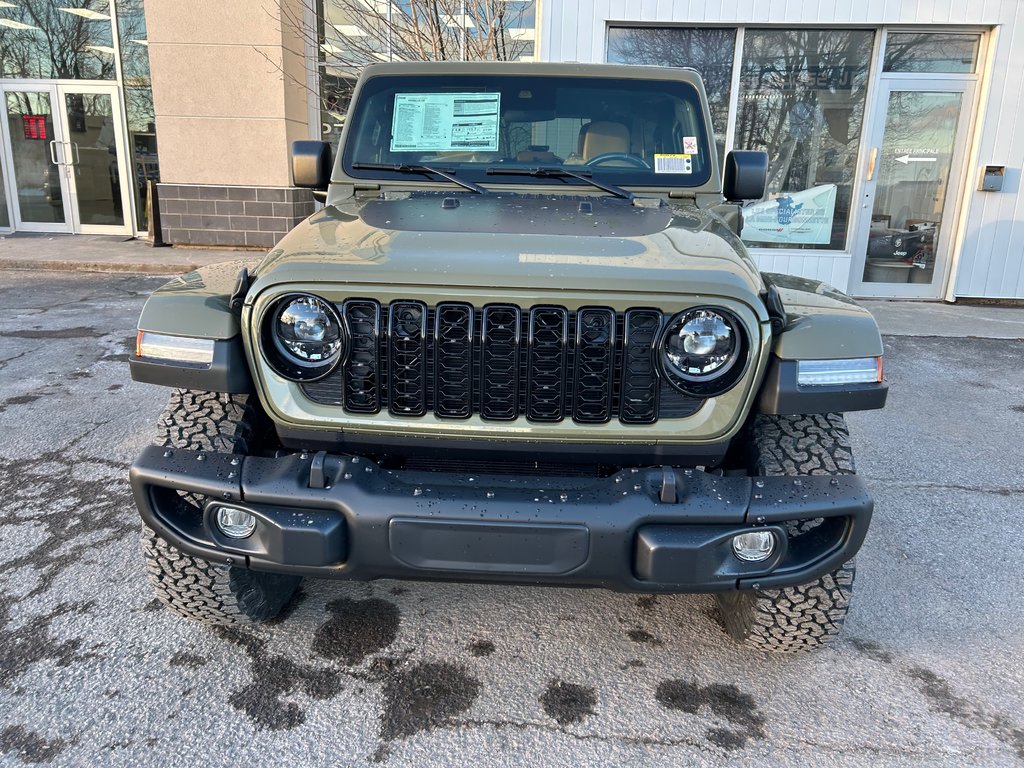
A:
306	337
700	349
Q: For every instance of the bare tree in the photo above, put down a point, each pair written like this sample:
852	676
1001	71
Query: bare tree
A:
46	39
360	32
708	50
351	34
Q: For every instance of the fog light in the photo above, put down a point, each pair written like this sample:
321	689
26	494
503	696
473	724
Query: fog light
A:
234	522
754	546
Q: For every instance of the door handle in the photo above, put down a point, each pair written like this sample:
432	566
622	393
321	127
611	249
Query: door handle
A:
53	152
872	162
73	146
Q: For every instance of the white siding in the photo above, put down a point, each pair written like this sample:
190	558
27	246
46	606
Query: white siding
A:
989	254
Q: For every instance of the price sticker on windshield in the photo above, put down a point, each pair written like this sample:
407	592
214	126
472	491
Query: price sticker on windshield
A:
673	164
443	122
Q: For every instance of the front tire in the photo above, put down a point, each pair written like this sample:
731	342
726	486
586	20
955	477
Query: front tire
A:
189	586
805	617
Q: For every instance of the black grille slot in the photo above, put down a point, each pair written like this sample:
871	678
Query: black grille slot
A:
407	358
499	362
453	360
638	403
362	371
595	363
547	362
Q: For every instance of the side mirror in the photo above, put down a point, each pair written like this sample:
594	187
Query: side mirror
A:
311	164
745	176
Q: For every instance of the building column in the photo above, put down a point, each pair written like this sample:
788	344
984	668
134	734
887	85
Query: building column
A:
230	95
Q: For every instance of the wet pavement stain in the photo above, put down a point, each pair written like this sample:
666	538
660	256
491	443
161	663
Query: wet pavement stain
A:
18	400
568	703
643	636
77	518
872	650
188	660
274	678
356	629
78	332
424	696
481	647
32	642
647	603
942	698
725	701
31	747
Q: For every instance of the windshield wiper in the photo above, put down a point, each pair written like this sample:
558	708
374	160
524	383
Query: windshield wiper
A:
445	173
556	172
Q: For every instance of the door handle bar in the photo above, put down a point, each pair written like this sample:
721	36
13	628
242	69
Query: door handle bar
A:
53	153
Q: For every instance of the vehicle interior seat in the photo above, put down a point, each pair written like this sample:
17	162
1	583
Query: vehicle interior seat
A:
601	137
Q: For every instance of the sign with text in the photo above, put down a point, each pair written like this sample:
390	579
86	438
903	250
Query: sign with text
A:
442	122
793	217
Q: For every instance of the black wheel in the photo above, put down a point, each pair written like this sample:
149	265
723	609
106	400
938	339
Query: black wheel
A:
190	586
805	617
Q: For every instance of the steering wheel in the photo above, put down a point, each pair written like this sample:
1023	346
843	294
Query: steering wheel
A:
633	160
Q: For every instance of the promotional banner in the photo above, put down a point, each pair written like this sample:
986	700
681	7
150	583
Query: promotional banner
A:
792	217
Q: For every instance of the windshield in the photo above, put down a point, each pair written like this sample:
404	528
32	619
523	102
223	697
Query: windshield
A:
628	132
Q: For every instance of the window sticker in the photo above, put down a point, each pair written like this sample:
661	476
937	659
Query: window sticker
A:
433	122
673	164
690	145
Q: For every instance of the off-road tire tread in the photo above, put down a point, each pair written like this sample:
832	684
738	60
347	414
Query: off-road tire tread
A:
805	617
790	619
190	586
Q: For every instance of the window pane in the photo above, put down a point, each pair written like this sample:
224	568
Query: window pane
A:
354	33
801	99
926	52
67	39
138	101
709	51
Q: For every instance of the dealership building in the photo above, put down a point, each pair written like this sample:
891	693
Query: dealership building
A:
891	127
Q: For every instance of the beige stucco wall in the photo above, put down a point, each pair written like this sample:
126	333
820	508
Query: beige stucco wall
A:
228	89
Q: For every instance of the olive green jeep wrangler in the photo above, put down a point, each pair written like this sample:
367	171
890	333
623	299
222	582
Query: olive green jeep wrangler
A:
522	341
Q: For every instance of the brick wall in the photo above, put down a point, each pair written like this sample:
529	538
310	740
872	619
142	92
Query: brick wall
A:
258	217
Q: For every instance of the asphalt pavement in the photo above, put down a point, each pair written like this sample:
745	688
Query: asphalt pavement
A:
94	672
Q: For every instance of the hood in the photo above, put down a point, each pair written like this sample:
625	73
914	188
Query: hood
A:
541	242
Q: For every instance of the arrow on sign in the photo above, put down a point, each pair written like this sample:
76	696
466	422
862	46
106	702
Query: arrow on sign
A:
908	159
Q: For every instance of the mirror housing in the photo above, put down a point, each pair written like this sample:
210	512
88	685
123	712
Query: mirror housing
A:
745	175
311	164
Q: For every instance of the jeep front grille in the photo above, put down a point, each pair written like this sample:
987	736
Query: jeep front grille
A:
501	362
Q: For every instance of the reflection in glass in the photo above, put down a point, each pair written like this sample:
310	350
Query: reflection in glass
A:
92	148
354	33
5	216
801	98
66	39
913	179
36	177
931	52
138	98
709	51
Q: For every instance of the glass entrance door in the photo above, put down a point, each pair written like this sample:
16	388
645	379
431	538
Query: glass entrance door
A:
913	182
34	148
64	143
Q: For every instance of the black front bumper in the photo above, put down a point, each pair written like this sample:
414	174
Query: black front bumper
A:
653	529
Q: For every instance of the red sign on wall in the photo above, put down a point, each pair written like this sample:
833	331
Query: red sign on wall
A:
34	126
